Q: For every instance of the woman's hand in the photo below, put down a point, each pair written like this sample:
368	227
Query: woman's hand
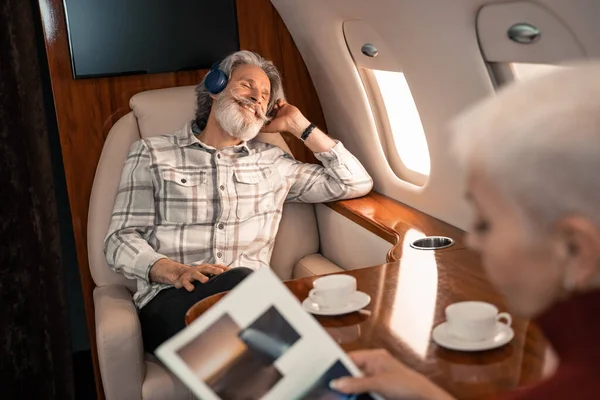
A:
389	378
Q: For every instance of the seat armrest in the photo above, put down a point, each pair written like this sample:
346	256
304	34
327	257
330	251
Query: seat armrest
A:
119	341
314	265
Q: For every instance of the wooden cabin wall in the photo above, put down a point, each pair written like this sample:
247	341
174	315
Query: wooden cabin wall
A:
86	109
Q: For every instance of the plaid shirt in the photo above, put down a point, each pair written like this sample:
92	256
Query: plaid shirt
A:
181	199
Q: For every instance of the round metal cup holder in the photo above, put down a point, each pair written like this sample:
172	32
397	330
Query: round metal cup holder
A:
432	243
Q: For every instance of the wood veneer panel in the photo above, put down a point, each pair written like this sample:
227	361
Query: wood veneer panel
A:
392	220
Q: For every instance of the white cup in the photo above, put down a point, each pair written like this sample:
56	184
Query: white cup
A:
474	320
333	291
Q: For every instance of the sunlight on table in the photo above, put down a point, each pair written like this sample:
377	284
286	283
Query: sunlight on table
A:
413	312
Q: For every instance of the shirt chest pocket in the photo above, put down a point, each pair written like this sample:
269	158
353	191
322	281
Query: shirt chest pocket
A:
254	192
185	198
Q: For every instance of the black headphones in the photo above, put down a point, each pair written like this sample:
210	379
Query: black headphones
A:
216	79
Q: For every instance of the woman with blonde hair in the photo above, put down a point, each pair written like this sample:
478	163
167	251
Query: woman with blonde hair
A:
532	157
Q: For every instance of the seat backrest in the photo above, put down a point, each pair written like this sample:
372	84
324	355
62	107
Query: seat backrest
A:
162	111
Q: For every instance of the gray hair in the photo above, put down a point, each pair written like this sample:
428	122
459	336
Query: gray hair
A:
203	99
539	142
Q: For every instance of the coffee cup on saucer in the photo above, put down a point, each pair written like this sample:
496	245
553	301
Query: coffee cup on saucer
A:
335	295
333	291
475	321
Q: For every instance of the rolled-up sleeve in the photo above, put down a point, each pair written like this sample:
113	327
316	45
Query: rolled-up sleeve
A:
125	246
340	177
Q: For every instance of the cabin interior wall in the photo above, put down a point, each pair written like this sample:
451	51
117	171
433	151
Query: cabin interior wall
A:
347	244
437	47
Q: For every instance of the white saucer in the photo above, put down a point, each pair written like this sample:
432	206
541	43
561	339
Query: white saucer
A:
357	301
504	334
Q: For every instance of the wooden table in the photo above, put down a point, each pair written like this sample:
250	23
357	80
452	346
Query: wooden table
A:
408	301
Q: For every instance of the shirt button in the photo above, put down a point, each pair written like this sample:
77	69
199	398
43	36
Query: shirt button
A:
219	254
222	187
218	156
221	226
183	181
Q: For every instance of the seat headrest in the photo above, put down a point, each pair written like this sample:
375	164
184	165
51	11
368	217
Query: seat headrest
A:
163	111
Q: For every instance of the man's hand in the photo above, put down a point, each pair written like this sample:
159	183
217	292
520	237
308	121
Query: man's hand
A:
181	275
389	378
287	118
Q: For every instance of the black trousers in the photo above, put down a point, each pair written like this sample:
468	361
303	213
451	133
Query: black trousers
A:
164	315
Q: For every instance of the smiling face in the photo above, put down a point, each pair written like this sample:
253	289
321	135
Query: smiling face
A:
241	108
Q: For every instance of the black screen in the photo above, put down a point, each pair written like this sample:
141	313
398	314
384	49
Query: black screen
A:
120	37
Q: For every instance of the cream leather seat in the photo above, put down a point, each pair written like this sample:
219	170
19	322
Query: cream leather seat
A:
127	371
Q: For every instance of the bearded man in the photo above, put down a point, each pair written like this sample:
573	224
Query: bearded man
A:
198	210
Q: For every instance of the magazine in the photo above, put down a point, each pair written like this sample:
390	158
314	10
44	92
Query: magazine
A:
258	343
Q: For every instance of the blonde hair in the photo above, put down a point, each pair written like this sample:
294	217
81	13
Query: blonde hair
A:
539	142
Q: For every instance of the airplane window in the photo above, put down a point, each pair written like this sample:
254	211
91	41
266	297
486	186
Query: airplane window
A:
523	71
404	121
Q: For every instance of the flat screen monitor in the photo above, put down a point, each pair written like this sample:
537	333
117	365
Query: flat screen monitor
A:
124	37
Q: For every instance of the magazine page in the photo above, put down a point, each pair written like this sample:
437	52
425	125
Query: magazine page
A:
258	343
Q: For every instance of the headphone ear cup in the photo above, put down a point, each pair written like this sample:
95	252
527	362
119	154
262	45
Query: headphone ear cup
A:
215	81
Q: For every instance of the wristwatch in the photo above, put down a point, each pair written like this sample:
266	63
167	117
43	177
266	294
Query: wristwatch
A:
307	132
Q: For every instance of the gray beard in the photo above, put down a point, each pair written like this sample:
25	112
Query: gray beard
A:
235	121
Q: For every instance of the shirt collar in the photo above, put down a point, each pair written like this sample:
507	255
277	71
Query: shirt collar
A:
188	137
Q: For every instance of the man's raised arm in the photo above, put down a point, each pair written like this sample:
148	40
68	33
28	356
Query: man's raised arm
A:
342	176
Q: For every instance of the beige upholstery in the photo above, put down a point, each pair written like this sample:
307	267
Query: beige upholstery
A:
127	372
314	264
